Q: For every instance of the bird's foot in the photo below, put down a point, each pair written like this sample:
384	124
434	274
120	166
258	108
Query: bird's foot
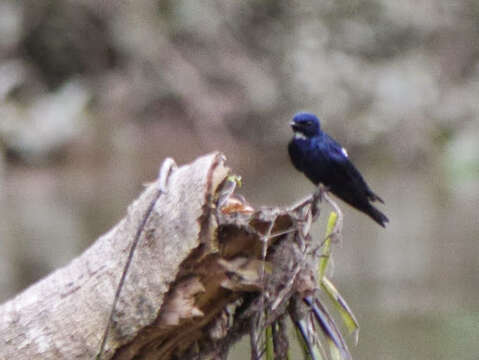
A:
316	198
319	193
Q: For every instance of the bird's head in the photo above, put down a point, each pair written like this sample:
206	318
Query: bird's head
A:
305	124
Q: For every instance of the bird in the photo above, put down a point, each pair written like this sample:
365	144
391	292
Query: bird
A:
325	161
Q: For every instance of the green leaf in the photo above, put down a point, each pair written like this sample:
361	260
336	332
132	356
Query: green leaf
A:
269	343
334	351
323	262
342	306
309	347
236	179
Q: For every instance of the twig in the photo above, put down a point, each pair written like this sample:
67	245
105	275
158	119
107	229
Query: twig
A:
166	169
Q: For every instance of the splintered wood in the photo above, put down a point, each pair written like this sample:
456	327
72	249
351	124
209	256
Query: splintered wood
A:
206	262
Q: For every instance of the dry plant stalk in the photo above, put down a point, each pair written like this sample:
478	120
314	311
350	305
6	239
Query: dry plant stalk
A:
207	269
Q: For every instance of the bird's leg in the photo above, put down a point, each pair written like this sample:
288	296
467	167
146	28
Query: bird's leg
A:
336	234
320	191
311	200
316	198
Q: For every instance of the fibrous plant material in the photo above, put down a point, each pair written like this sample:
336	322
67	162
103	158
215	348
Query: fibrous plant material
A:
207	268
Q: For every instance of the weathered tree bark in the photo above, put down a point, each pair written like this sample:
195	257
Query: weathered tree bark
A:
192	287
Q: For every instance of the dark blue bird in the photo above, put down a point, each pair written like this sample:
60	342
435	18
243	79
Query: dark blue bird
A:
324	161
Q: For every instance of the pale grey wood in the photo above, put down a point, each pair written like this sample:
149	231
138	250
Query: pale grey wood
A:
63	316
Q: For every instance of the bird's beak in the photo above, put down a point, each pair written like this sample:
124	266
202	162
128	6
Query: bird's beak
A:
294	126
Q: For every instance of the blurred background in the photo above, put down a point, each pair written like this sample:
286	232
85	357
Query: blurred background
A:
95	94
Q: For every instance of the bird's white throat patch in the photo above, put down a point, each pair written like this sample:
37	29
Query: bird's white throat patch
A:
345	153
298	135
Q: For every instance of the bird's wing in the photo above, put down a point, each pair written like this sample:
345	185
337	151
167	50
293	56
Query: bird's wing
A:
346	171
